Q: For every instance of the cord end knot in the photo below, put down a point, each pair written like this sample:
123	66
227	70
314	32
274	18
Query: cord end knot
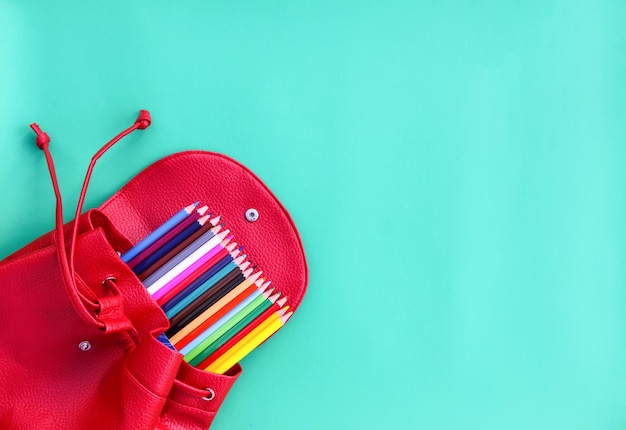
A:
43	139
143	120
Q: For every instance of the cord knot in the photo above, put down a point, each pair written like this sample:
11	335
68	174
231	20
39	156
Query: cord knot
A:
42	139
143	120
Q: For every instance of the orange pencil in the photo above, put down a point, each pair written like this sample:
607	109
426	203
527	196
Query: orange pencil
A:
216	312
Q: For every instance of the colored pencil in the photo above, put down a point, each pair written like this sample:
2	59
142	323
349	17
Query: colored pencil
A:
236	338
196	269
160	231
183	263
201	347
191	248
227	330
191	332
184	335
252	303
214	264
178	248
248	344
225	333
209	297
169	240
219	309
214	275
226	270
169	235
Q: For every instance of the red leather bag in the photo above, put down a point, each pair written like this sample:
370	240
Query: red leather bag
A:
78	329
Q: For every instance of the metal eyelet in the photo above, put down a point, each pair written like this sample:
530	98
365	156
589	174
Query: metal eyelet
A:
84	345
252	215
109	279
210	396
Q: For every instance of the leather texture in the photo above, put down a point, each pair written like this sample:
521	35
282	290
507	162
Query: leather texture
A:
127	379
272	241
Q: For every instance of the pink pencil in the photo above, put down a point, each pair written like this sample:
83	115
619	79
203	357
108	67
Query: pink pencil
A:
190	270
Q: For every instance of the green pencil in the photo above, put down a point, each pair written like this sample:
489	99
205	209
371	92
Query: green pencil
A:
232	327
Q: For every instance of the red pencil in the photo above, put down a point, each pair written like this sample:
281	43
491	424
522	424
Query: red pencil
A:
196	273
167	257
236	338
227	306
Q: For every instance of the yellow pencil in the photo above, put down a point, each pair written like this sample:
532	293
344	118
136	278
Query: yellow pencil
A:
215	308
249	343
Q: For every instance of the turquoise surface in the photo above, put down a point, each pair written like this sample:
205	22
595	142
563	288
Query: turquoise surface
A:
456	170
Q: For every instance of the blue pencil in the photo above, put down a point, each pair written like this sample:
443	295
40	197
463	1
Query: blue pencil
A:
209	331
208	284
156	234
176	240
219	265
190	249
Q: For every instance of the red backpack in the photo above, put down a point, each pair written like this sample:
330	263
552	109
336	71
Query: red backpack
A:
79	330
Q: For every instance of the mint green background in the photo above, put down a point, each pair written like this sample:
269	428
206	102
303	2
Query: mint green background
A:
455	168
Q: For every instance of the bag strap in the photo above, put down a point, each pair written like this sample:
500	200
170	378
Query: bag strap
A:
68	271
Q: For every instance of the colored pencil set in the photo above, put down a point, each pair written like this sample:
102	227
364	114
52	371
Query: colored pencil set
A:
219	306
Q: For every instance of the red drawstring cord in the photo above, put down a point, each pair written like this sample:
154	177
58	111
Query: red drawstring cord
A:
43	141
67	267
142	122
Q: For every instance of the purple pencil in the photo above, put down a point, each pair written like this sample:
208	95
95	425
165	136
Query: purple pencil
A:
154	246
193	246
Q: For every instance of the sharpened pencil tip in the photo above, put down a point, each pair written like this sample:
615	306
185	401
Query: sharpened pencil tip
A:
244	266
202	210
191	207
267	294
247	273
274	297
215	220
286	317
282	301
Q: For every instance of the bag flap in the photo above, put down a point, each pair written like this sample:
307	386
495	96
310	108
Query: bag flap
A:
229	189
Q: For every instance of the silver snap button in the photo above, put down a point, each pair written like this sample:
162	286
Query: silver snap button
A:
209	396
84	345
252	215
